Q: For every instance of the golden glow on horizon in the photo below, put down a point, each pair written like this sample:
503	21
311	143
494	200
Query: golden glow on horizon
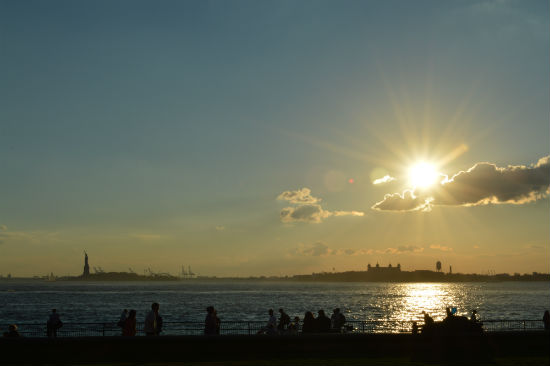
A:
423	175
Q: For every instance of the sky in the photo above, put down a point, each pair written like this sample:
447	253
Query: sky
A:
248	138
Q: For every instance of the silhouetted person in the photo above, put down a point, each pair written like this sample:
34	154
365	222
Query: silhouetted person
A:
129	328
337	320
449	313
218	322
473	317
12	331
322	323
211	322
122	319
271	324
151	326
53	323
159	324
294	326
428	320
284	321
415	328
546	320
308	326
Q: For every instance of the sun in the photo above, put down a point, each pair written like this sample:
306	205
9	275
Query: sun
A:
423	175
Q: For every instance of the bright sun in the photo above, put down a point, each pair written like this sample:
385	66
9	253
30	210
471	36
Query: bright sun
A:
423	175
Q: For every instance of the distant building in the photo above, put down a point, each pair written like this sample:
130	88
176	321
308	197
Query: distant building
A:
384	270
86	272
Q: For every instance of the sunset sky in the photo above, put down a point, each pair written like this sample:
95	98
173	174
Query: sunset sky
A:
274	137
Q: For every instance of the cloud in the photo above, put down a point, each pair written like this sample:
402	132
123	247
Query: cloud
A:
406	201
300	197
384	179
307	209
320	249
482	184
402	249
440	247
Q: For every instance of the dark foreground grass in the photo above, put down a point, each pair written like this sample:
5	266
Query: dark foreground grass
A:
383	361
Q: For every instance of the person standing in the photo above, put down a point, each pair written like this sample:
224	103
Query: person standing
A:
546	320
322	322
284	321
151	326
53	324
308	326
122	319
337	320
129	328
211	322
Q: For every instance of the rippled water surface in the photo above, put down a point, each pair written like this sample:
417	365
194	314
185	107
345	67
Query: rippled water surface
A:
30	302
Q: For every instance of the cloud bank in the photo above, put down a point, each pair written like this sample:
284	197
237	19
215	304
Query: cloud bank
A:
321	249
482	184
307	208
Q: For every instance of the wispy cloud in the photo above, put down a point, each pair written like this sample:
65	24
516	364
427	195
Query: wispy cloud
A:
147	237
402	249
384	179
482	184
307	209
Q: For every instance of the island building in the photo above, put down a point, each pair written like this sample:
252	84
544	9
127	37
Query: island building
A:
86	272
383	270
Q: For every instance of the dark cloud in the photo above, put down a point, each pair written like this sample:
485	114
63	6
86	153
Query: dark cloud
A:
482	184
304	213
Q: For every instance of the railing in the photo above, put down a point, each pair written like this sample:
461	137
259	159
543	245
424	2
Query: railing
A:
253	327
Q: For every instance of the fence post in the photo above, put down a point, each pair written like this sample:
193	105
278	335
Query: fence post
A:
363	326
103	329
523	324
248	328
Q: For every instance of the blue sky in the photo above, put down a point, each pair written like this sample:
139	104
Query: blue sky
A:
163	132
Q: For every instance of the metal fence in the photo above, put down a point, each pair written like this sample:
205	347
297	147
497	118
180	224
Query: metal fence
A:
253	327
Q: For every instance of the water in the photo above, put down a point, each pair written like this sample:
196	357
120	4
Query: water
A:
30	302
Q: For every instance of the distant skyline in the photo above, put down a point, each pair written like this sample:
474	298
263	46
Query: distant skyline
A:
250	138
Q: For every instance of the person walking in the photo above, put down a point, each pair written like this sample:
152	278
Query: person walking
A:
151	326
129	328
